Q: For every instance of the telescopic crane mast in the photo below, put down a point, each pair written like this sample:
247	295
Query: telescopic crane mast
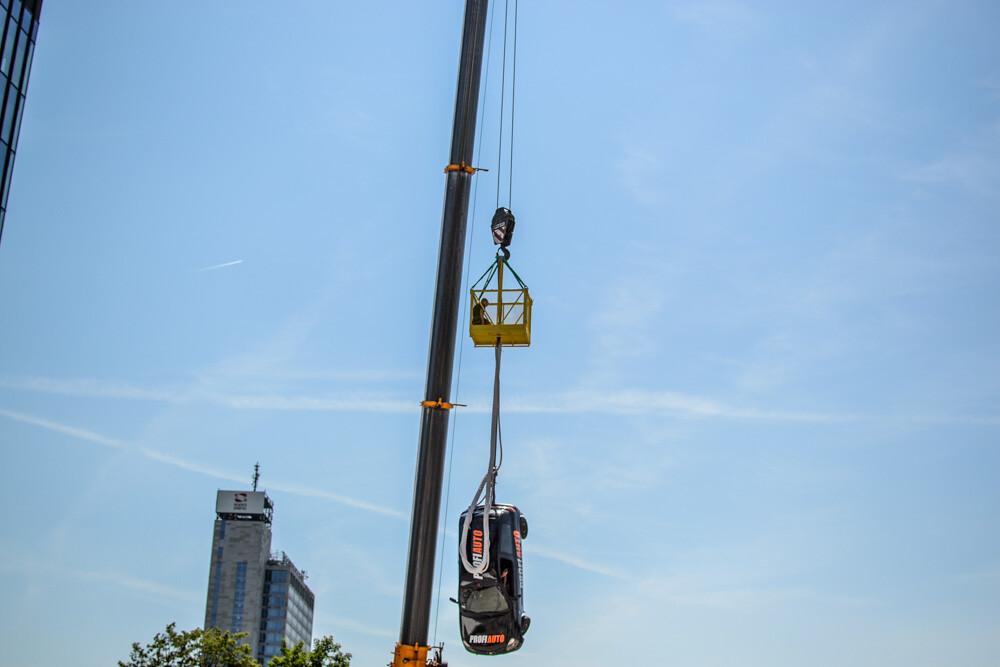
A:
412	648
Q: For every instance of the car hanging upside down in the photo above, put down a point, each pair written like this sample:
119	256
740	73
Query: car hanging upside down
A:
491	602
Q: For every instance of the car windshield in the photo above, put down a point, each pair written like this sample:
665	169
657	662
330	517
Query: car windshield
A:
486	600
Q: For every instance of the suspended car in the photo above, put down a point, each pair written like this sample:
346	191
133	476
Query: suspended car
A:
491	603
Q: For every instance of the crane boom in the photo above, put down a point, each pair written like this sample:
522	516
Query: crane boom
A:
412	646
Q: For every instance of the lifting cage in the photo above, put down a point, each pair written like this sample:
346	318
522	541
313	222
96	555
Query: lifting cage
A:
499	312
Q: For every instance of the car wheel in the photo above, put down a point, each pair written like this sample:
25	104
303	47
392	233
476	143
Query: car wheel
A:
524	528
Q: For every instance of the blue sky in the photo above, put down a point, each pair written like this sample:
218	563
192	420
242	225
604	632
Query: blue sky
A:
759	422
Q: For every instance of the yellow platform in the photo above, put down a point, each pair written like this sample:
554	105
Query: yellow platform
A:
505	315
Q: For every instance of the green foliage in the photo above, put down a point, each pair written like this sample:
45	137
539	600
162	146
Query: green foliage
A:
325	653
194	648
214	648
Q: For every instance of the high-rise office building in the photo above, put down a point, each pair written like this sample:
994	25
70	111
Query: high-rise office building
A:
287	611
17	45
249	589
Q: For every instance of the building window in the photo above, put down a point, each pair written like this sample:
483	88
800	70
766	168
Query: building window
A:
215	588
8	114
19	52
277	575
239	595
8	48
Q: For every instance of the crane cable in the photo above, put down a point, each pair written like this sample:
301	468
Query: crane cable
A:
488	484
503	95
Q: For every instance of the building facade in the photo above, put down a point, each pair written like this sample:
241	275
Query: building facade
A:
249	589
17	46
287	611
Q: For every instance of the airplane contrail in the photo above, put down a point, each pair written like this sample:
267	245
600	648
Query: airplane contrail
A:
218	266
149	453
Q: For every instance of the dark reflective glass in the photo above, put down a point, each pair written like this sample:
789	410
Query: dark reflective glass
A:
17	123
27	65
8	48
8	113
20	49
486	600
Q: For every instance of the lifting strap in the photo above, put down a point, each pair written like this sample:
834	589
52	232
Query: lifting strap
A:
488	484
492	271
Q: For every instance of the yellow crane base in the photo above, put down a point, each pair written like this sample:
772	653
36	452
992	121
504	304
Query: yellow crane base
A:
409	655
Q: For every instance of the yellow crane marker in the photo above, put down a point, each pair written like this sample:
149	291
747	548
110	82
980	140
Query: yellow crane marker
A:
440	403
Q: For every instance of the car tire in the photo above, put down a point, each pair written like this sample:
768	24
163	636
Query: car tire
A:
524	528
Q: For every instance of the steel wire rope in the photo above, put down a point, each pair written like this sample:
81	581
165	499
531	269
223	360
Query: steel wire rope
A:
489	479
488	485
461	348
513	90
503	100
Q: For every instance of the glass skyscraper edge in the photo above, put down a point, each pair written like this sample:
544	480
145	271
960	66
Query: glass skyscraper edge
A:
17	47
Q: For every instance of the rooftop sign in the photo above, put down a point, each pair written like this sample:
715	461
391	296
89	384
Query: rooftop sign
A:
241	502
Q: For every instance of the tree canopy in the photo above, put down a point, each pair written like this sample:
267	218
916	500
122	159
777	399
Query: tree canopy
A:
325	653
214	648
192	648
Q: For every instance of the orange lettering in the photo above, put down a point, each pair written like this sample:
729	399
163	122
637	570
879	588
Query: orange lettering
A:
477	541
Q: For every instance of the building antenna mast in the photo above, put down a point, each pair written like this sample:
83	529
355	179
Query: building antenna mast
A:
256	474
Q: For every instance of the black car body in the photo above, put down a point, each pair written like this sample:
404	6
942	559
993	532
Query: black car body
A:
491	604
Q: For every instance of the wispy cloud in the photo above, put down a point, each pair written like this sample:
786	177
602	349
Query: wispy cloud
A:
146	587
578	562
218	266
976	172
638	402
29	565
652	403
71	431
736	595
641	173
160	457
319	403
84	388
350	624
343	500
713	14
91	388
